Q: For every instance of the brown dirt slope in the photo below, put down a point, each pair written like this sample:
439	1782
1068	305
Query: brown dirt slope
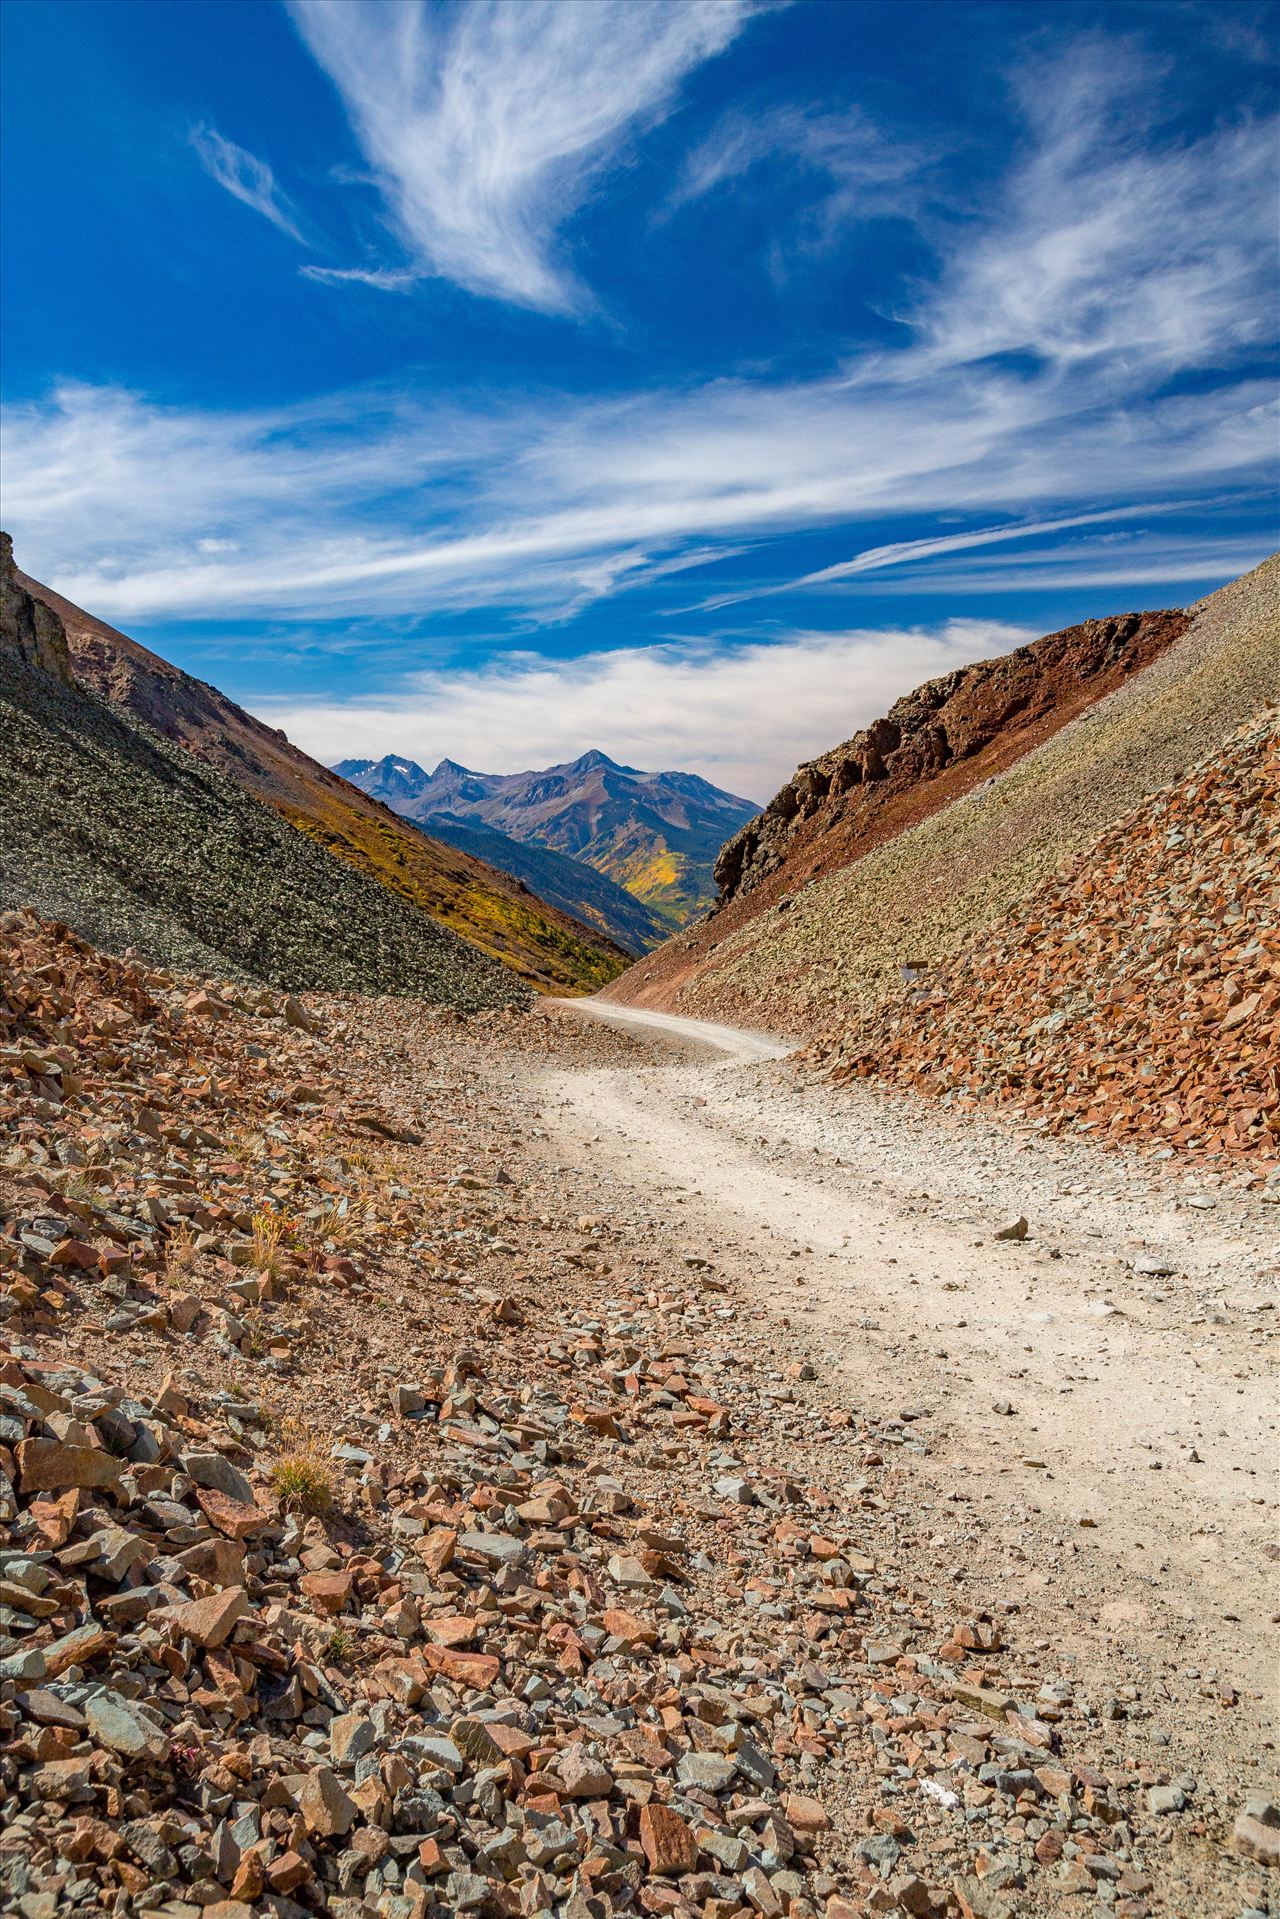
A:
489	909
797	957
1136	995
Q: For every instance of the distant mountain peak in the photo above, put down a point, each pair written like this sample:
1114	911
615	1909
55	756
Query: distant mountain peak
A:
655	834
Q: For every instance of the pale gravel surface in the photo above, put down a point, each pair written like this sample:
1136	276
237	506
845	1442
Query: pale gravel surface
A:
863	1226
838	946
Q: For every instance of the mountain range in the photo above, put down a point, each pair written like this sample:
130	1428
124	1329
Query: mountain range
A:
656	835
126	735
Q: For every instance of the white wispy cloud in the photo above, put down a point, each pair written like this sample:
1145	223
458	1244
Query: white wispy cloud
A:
1007	403
1105	243
914	553
764	708
486	123
1112	562
900	552
387	279
861	170
245	177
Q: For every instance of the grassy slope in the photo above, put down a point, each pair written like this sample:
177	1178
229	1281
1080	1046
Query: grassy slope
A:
576	888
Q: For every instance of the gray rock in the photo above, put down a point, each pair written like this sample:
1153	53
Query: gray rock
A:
217	1474
710	1771
500	1549
118	1725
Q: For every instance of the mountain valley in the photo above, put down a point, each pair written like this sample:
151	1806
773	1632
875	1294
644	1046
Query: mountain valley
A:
475	1452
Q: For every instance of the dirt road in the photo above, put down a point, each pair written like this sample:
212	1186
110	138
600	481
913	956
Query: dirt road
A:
1097	1423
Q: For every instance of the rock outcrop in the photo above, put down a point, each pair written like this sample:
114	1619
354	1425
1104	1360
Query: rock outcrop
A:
979	718
999	774
29	630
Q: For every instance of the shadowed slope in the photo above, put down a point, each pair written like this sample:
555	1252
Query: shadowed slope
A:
136	843
488	908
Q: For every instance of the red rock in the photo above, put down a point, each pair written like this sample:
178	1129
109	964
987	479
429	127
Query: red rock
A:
457	1630
74	1252
231	1516
78	1648
669	1844
627	1626
49	1466
208	1621
510	1741
325	1805
287	1872
805	1815
478	1670
436	1548
581	1774
328	1591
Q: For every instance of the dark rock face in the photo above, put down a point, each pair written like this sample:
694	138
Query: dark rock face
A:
975	711
28	629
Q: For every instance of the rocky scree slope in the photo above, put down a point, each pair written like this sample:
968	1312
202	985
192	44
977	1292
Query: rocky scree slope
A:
138	844
655	834
1136	996
564	1613
486	906
834	947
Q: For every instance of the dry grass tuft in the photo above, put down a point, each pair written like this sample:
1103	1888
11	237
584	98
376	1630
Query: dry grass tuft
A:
302	1477
179	1256
268	1243
75	1185
344	1220
339	1646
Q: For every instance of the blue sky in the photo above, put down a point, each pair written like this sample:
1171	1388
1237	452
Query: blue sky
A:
502	379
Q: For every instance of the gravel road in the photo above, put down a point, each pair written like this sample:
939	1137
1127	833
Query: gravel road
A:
1094	1398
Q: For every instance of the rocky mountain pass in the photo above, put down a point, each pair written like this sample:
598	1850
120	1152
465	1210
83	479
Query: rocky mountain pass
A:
583	1476
575	1344
563	1457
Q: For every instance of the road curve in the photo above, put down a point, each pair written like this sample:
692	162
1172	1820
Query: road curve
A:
739	1042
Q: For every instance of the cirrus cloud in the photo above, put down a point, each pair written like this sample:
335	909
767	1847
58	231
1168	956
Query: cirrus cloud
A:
245	177
485	124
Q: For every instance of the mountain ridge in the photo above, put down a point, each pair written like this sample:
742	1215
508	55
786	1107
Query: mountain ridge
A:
838	907
655	834
117	831
487	907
